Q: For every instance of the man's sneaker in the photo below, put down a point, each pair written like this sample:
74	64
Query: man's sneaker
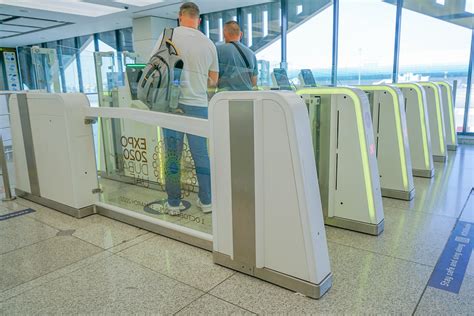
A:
173	210
206	208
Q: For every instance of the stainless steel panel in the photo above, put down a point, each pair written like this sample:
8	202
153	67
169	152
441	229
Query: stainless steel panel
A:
422	173
78	213
300	286
241	127
28	143
400	195
361	227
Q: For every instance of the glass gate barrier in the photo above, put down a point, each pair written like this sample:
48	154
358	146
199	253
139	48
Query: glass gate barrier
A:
46	69
153	166
157	172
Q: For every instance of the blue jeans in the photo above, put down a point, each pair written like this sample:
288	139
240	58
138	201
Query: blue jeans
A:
174	149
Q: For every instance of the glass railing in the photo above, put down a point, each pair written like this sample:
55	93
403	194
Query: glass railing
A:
152	164
157	172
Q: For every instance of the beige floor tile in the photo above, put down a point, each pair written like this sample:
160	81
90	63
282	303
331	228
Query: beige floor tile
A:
439	302
210	305
182	262
41	258
22	231
105	232
414	236
363	283
108	287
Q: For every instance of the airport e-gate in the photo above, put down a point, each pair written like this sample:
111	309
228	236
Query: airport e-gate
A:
267	224
436	119
391	141
418	127
448	112
345	155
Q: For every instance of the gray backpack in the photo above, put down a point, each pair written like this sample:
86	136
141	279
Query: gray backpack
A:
159	84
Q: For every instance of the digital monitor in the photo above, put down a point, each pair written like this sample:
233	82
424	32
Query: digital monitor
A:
134	73
306	75
281	79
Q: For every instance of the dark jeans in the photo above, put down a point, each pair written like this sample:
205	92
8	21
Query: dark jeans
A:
174	149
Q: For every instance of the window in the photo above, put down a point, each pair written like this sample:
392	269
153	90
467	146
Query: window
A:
26	68
221	30
470	119
206	28
262	29
469	6
87	64
69	64
366	41
249	29
214	23
299	9
265	23
310	43
126	39
437	51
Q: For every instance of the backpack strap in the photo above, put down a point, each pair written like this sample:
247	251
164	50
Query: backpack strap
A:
168	33
246	61
167	41
167	36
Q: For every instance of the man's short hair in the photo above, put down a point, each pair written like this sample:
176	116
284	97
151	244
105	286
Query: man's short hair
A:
232	28
190	9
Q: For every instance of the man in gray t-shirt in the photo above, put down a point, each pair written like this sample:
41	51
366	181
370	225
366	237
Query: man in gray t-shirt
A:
237	63
200	72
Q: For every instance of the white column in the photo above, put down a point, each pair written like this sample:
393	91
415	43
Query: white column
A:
146	31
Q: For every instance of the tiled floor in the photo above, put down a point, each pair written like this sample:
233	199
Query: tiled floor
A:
54	264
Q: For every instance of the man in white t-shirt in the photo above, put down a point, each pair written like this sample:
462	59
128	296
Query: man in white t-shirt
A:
200	72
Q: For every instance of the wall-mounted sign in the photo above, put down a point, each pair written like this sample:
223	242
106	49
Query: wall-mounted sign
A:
11	71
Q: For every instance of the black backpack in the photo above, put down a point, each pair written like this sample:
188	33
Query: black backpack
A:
159	84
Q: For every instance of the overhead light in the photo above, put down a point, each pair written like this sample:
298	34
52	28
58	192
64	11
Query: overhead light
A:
441	2
139	3
71	6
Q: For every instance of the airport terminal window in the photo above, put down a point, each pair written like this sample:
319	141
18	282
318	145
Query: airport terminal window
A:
213	24
26	67
437	51
126	39
366	41
310	40
70	65
262	29
470	119
261	25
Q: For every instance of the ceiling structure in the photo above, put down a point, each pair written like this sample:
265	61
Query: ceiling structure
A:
25	22
460	12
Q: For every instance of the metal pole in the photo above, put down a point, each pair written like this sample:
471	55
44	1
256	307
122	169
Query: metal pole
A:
62	75
77	47
469	83
455	91
335	40
284	32
396	49
6	180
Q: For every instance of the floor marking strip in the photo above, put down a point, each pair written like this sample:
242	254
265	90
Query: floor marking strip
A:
16	214
451	267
